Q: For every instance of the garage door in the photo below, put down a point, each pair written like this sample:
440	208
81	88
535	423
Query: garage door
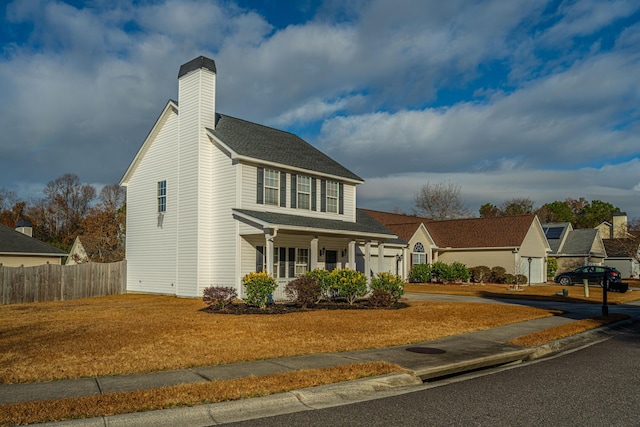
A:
537	269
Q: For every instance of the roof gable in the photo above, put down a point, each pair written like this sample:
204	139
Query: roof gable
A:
581	242
262	143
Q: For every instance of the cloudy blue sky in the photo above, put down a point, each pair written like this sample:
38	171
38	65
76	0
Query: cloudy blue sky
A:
517	98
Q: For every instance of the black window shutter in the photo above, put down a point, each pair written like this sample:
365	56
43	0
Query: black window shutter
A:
283	189
259	258
283	255
294	190
323	195
260	196
292	262
341	195
314	195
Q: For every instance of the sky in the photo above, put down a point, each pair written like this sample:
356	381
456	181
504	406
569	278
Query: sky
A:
506	99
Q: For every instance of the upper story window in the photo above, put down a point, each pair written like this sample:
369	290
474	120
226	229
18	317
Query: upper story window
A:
332	196
304	192
271	187
418	256
162	196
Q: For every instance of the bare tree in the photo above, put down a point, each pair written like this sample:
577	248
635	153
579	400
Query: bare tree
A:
441	201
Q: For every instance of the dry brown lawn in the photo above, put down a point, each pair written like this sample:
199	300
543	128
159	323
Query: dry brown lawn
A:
128	334
184	395
562	331
540	292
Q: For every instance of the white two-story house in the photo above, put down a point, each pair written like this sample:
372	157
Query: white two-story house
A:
211	198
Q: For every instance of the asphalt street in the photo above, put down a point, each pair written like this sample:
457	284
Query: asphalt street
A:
595	386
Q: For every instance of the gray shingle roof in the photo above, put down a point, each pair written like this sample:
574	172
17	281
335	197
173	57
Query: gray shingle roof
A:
272	145
364	223
12	241
579	242
554	244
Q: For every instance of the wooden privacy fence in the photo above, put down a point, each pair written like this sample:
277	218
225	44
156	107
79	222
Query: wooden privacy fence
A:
50	282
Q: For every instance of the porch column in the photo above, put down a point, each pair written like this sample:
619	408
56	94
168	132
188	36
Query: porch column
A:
380	257
268	247
367	260
313	262
405	262
352	255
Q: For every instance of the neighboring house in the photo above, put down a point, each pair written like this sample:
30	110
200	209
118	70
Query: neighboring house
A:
621	246
80	251
574	248
515	243
18	248
94	249
211	198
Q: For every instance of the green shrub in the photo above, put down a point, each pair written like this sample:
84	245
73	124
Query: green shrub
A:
390	283
498	274
350	284
420	273
442	271
219	297
552	267
480	273
304	290
325	280
259	287
459	271
509	279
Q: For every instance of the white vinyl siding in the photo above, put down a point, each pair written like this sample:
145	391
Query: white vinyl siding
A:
151	250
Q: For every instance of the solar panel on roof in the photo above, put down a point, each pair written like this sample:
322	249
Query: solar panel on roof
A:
553	232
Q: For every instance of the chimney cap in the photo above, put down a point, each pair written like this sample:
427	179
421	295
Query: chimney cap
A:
24	223
619	214
196	64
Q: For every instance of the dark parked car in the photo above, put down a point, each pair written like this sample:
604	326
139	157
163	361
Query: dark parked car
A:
593	273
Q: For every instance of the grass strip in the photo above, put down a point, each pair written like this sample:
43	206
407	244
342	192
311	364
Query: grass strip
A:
562	331
184	395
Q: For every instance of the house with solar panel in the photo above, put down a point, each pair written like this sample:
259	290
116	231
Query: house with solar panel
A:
211	198
574	248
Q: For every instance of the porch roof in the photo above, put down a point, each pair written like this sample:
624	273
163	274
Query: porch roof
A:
364	227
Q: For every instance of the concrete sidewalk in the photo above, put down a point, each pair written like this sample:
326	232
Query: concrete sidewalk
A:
427	361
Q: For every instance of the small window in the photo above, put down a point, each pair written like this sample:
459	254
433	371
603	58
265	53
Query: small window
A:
302	261
332	196
162	196
418	256
271	187
304	192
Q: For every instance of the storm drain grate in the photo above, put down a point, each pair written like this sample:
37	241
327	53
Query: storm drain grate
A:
425	350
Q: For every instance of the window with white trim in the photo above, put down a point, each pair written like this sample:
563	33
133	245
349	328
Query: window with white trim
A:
271	187
304	192
162	196
332	196
302	261
418	256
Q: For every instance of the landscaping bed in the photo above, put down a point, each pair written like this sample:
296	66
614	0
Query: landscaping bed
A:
289	307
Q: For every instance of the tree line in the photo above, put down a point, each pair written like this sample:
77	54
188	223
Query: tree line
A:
69	208
442	201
